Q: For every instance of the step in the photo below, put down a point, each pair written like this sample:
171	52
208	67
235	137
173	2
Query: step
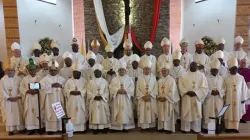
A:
244	126
2	127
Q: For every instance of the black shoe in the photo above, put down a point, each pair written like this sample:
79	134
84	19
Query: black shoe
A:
243	121
11	133
228	130
51	133
143	130
105	130
95	132
192	131
185	132
162	130
168	132
22	131
125	131
235	131
113	131
150	130
205	131
31	132
84	132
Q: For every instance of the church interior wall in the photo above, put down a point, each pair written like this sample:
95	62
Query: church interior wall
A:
54	21
201	19
3	47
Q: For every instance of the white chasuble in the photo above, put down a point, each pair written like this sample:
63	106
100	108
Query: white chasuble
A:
152	58
99	58
108	64
30	102
75	104
147	112
78	57
236	91
59	59
88	74
52	95
19	64
168	110
213	104
99	113
239	55
202	59
191	107
185	61
122	104
42	73
128	60
163	59
12	112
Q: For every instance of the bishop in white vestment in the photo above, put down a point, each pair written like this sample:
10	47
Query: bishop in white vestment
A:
223	70
122	90
30	99
12	107
76	55
110	64
201	58
238	52
186	58
88	74
236	93
127	45
214	100
18	61
36	49
98	102
220	47
193	90
95	48
166	57
52	88
148	56
75	93
67	71
146	93
44	60
168	99
55	54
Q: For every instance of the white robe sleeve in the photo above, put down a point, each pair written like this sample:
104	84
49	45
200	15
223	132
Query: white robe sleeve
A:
130	90
46	86
244	92
105	94
154	91
67	89
23	89
182	88
172	95
4	95
139	93
113	88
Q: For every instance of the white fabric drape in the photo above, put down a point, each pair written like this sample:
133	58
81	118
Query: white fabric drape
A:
117	37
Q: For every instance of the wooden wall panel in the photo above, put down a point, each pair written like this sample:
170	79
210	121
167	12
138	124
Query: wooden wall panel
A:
11	24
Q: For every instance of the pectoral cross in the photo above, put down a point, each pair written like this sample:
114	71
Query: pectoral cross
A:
162	89
10	90
147	88
122	86
98	90
76	88
235	87
193	84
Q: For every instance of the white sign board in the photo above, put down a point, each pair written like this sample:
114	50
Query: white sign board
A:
57	107
211	126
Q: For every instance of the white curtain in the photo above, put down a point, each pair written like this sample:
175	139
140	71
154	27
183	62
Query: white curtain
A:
117	37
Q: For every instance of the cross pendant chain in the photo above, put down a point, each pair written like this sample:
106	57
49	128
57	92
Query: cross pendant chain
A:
10	90
193	84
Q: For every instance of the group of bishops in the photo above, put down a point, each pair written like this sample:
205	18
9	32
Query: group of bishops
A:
110	93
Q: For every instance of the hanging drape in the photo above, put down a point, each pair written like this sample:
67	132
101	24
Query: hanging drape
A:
155	21
117	37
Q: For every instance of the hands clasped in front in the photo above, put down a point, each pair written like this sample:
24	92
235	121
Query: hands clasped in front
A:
191	93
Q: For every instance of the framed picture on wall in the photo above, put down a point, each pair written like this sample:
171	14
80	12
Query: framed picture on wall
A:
49	1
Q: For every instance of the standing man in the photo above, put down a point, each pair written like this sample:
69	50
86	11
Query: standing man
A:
186	58
67	71
56	56
77	56
148	56
98	102
12	108
223	70
134	72
214	100
236	95
95	48
165	57
245	72
110	64
127	45
44	60
238	52
17	61
177	70
193	90
89	72
36	48
30	96
52	88
167	101
122	93
75	93
146	94
220	47
201	59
